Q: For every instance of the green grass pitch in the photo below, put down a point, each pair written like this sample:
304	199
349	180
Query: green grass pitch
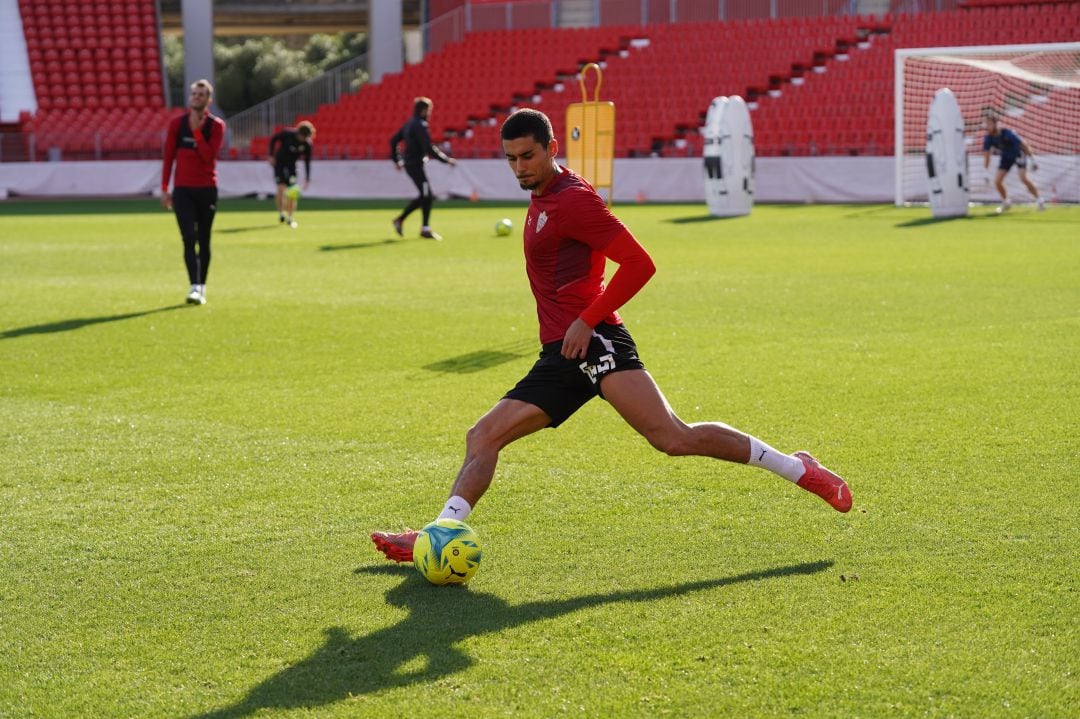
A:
187	491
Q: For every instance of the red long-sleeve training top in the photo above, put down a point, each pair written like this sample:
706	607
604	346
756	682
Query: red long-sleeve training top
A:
195	154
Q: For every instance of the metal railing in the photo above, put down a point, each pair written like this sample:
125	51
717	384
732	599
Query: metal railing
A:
303	99
453	26
468	17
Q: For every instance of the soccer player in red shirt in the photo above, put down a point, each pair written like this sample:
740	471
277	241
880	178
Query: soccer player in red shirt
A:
569	235
193	142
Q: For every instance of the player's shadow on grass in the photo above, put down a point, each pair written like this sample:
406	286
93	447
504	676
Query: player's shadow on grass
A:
372	244
482	359
423	647
701	218
923	221
253	228
80	322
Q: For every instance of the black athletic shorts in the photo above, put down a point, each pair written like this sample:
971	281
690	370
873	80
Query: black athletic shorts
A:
1007	161
285	174
560	386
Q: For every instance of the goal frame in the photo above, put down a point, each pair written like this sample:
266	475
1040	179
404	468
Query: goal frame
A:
901	54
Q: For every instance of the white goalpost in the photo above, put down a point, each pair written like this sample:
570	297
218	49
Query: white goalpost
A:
1034	90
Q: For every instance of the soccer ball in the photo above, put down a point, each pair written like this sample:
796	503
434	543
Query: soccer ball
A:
503	227
293	192
447	551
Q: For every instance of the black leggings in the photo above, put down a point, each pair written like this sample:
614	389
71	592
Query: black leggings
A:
195	208
425	199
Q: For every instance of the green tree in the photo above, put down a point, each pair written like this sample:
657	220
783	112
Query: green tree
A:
252	70
173	51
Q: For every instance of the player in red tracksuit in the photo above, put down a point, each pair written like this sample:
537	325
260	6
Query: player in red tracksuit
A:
569	235
193	142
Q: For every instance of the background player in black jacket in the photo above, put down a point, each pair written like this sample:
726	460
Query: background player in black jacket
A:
286	147
418	148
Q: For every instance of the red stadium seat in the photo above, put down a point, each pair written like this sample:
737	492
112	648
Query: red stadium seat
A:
656	96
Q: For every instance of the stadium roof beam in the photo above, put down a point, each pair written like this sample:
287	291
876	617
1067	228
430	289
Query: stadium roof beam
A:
235	17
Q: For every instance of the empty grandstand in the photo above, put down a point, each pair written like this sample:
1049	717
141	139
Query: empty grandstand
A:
818	76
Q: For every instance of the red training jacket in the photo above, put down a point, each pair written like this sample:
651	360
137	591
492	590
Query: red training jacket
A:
195	153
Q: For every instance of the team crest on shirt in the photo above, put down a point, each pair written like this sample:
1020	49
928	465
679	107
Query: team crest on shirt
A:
541	221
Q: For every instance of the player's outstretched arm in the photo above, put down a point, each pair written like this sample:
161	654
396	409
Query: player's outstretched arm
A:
635	269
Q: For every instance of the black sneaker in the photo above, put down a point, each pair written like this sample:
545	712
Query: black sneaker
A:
430	234
397	228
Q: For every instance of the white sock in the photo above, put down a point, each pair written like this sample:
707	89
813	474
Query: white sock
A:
762	455
455	508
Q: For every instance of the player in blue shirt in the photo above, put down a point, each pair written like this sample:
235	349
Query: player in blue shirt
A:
1014	151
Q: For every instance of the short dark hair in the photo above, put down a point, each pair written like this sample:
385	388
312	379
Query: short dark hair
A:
420	104
526	122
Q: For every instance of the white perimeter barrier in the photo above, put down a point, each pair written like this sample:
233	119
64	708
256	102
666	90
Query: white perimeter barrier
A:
778	179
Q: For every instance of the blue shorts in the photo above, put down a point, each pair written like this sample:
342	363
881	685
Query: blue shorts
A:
561	387
1007	161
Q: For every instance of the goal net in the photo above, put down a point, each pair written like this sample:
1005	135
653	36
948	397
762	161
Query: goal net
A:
1033	90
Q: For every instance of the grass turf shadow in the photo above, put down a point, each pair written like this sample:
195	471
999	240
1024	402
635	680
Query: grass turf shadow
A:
249	228
80	322
483	359
372	244
924	221
347	666
702	218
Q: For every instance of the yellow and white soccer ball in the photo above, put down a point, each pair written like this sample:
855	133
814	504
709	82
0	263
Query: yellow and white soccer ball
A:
293	192
504	227
447	551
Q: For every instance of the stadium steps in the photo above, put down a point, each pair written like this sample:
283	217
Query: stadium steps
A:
849	108
96	68
819	85
470	82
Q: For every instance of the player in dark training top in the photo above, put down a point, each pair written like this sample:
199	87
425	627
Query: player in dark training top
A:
1013	151
286	149
586	350
418	148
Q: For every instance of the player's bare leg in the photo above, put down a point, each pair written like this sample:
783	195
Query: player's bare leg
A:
279	202
1022	172
999	183
508	420
290	210
637	398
